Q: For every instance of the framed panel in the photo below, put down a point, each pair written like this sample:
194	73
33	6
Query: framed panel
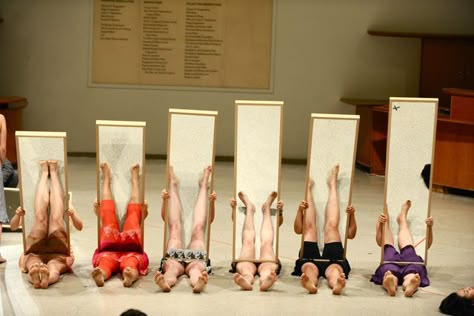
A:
257	167
410	146
121	144
191	149
33	147
332	140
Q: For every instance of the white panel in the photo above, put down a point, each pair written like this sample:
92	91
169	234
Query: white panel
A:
412	124
333	141
121	146
191	150
257	161
31	150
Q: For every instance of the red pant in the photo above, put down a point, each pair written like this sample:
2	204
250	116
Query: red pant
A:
111	239
113	262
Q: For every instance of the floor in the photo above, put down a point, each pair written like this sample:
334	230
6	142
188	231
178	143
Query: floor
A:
451	259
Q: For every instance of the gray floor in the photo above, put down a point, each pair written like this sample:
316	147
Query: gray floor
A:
451	259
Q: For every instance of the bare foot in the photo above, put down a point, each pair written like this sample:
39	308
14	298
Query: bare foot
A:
307	284
135	171
44	275
404	212
340	284
129	276
99	276
245	199
161	282
332	180
105	170
201	282
390	283
204	181
267	282
269	201
412	285
53	165
242	282
35	276
44	166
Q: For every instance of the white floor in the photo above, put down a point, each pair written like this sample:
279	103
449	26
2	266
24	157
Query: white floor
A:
451	259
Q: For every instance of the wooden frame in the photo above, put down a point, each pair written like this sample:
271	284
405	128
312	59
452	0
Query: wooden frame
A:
251	174
191	148
31	148
332	139
410	146
121	144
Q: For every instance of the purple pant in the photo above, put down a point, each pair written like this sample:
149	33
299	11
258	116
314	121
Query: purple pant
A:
407	254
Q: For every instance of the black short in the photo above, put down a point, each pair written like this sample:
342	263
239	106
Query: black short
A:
233	267
333	252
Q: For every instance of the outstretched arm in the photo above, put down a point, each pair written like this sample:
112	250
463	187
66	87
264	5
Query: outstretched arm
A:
429	226
212	205
298	223
15	221
352	230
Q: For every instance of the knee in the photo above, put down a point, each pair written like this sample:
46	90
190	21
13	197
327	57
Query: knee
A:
330	226
198	228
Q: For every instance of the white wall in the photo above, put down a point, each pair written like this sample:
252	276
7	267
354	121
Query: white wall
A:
322	52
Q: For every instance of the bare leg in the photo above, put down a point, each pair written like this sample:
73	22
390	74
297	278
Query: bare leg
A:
200	213
107	179
245	275
331	226
41	203
135	194
267	270
310	228
174	215
390	283
56	221
309	277
404	234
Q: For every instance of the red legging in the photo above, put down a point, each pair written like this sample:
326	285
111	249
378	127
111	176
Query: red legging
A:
111	263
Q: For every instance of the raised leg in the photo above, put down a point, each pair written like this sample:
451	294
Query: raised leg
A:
267	270
200	213
41	203
134	216
174	214
247	251
310	232
331	225
404	235
56	200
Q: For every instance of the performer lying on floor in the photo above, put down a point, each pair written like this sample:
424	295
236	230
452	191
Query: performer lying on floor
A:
335	269
245	271
390	275
192	259
120	251
47	255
